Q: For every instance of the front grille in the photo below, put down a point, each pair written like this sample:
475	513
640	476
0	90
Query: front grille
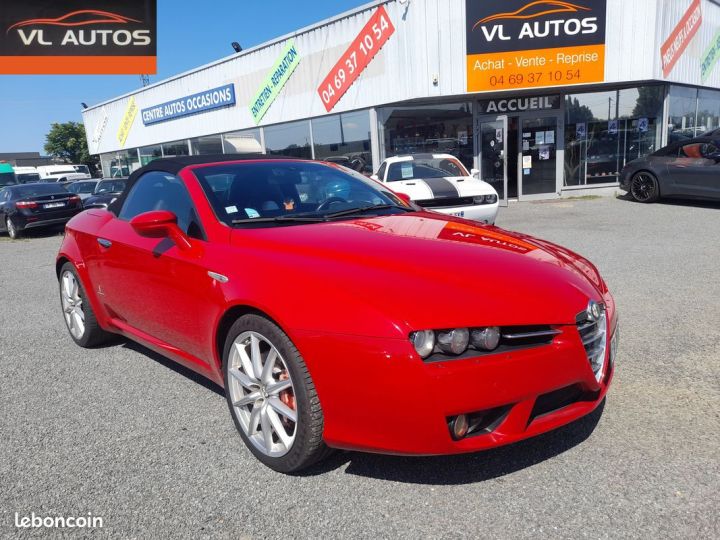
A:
559	399
446	202
593	333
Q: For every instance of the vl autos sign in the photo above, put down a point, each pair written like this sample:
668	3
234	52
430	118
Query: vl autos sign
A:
513	44
215	98
275	81
78	37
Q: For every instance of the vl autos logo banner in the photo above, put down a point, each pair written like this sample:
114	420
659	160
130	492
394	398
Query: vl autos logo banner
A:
514	44
78	37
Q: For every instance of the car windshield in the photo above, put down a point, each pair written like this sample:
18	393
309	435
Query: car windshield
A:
82	187
275	192
26	178
34	190
81	169
7	179
419	168
110	186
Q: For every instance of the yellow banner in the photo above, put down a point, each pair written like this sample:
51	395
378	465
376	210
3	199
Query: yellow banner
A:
127	121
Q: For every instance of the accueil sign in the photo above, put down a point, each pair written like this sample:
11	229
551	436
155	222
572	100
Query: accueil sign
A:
513	105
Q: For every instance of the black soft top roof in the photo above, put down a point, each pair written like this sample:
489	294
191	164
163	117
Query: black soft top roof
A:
175	164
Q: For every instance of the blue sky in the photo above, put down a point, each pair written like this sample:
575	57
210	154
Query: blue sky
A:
189	34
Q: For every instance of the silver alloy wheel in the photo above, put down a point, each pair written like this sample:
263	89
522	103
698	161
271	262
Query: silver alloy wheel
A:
72	304
262	393
12	233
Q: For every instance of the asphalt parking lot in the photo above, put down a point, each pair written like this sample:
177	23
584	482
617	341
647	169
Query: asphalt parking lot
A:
123	434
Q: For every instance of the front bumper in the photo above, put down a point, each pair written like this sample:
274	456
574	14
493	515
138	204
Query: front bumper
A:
377	395
486	213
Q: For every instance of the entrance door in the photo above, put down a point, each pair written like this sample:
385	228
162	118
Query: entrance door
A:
492	135
538	166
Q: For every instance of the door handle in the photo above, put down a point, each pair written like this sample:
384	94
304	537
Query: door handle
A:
104	243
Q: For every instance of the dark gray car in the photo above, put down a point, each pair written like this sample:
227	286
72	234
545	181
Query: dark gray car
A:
687	169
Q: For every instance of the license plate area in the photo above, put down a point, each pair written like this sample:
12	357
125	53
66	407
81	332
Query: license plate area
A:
457	214
53	205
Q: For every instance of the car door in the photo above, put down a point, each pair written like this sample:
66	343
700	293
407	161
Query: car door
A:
695	171
150	284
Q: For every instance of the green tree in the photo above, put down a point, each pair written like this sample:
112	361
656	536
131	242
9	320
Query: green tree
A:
68	141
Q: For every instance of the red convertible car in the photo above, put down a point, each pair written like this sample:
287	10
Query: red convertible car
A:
335	313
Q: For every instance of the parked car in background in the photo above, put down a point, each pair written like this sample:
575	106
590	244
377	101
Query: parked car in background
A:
27	175
61	173
7	174
30	206
337	315
106	191
685	169
440	182
83	188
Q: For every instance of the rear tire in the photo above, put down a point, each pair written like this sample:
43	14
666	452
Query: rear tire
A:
11	230
77	311
262	414
644	187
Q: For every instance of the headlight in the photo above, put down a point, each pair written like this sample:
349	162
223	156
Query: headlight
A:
490	199
453	341
480	199
486	339
424	342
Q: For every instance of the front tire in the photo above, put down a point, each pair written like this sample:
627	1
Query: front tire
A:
12	231
77	312
644	187
271	396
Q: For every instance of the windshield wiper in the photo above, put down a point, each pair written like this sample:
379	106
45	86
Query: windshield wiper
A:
280	219
365	209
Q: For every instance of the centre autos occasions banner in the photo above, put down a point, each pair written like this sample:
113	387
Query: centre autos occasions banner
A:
514	44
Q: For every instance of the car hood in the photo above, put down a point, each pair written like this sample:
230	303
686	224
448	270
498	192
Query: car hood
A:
430	270
419	189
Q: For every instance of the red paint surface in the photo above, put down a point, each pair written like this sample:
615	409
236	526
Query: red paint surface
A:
348	294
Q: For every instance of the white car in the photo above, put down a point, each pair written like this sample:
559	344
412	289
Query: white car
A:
63	173
440	182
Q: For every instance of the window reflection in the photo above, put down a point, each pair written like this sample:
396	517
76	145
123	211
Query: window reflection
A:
177	148
291	139
344	139
446	129
606	130
211	144
242	142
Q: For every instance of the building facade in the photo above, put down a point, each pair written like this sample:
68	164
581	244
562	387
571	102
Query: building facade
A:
544	98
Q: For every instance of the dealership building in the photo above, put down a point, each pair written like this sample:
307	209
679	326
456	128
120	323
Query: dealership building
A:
545	98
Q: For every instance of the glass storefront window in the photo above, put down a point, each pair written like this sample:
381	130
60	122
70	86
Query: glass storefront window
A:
682	116
211	144
640	113
177	148
119	164
242	142
344	139
606	130
446	128
291	139
708	110
148	153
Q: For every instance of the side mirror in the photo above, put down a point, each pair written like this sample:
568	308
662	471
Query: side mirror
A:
475	173
160	224
405	197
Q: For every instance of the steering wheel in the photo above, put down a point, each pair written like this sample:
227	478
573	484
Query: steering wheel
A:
327	202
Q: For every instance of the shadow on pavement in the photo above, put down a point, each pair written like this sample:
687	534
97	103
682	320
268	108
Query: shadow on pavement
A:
692	203
436	470
465	468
